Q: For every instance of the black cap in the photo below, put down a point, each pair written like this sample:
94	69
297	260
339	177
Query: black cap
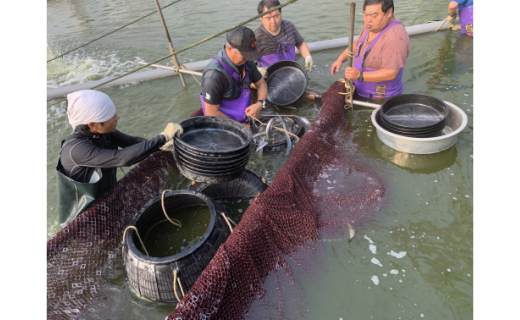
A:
243	39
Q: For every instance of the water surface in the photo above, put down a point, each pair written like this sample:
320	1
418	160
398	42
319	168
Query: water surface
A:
414	262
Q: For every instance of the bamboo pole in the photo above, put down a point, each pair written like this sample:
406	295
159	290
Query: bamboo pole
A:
172	49
350	60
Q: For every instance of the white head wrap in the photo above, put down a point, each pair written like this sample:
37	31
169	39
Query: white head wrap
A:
86	106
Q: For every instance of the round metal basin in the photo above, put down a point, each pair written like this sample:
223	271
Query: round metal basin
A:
457	121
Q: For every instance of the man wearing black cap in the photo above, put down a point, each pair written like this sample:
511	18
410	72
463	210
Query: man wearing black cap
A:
226	79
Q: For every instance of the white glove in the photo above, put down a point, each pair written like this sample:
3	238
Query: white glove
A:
264	72
308	63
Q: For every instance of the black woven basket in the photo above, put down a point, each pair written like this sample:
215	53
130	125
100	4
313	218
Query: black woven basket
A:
152	277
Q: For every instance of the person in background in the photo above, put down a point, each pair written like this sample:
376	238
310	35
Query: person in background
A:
380	53
465	9
276	39
226	79
89	157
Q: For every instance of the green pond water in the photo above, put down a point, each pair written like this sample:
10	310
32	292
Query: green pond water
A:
414	262
166	239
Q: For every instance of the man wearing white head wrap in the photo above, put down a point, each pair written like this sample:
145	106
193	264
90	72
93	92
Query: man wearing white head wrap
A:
91	154
89	106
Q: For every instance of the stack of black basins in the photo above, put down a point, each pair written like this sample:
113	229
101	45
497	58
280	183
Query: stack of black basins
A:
414	115
212	149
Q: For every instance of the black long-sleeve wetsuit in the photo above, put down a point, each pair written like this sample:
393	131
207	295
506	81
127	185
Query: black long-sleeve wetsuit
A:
83	151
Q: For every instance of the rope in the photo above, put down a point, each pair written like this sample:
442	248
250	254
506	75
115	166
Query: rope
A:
280	129
349	94
146	182
227	221
349	87
182	65
443	22
126	25
178	280
124	234
188	47
177	222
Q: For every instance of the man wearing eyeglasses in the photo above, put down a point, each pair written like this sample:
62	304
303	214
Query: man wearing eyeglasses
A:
380	53
277	38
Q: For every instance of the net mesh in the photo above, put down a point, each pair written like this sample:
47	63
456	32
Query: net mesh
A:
323	191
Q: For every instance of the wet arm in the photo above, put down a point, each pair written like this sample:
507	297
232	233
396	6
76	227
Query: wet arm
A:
262	89
304	50
452	8
344	55
213	110
379	75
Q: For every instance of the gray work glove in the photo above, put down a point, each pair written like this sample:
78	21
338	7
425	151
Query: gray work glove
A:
171	130
308	64
264	72
451	20
168	146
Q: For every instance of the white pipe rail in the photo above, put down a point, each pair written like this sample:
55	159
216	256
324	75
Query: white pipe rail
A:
200	65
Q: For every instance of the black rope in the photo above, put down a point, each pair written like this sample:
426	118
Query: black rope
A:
61	55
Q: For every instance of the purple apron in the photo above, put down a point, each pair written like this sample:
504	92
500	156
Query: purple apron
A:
234	109
285	51
376	90
466	20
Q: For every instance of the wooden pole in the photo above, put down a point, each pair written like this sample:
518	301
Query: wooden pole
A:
350	60
172	49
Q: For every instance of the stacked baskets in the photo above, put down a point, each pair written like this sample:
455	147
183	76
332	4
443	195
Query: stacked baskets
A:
212	149
413	115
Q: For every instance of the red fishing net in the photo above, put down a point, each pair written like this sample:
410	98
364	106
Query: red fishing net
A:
322	192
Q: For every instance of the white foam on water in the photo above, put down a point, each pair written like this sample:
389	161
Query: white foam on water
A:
467	196
384	274
399	255
422	315
393	271
375	280
369	240
373	248
375	261
454	198
448	270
